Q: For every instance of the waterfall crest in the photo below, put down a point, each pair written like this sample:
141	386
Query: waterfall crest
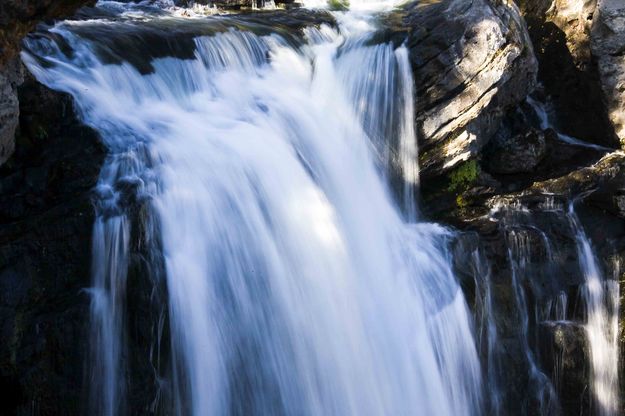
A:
295	285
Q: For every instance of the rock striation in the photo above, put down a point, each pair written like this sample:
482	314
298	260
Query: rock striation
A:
608	48
17	18
472	62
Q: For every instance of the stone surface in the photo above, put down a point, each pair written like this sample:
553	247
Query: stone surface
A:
550	269
608	47
10	77
517	154
472	62
17	18
46	218
561	33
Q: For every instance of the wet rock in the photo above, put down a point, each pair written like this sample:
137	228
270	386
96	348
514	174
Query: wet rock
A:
607	175
565	354
46	216
517	154
10	78
17	18
550	271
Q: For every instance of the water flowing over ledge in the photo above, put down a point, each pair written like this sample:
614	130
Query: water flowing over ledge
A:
294	284
261	200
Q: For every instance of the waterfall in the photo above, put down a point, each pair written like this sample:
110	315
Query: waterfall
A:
519	254
295	285
540	299
601	299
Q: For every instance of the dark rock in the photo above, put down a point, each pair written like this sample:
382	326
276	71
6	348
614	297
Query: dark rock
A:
17	18
608	48
516	154
45	220
561	33
550	270
10	78
566	357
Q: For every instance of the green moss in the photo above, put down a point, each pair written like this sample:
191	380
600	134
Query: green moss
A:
424	157
461	202
338	5
463	176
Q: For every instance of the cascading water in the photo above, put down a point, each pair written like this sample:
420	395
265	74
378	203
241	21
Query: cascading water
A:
294	284
540	300
469	258
541	387
601	298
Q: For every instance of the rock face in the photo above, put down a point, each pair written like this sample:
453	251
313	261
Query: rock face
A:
45	220
472	62
608	46
580	46
510	195
526	281
10	77
45	215
17	18
561	34
517	154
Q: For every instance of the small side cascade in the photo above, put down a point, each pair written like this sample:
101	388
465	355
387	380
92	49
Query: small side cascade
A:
551	324
470	261
519	254
601	306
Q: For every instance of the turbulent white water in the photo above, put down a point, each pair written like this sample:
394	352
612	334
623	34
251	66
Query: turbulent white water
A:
296	286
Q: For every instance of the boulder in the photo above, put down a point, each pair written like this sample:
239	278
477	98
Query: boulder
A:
561	34
608	48
472	61
46	217
517	154
17	18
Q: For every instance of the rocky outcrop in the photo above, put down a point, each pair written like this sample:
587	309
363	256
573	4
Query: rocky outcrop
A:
526	277
580	46
17	18
472	62
45	220
511	199
561	33
10	77
45	215
519	153
573	17
608	47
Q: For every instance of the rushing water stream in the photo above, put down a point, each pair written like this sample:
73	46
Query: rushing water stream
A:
296	285
271	171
